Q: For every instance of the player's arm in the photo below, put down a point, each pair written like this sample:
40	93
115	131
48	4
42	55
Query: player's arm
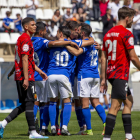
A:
134	58
62	43
25	70
103	86
42	74
11	72
87	42
75	51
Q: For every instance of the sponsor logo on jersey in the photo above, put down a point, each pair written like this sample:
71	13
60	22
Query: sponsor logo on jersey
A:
25	47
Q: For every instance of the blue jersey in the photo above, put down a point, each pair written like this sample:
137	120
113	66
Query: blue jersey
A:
88	63
41	56
7	21
62	61
18	25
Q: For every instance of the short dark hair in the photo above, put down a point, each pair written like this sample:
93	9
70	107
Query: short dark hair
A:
39	26
125	12
72	25
52	22
26	21
86	28
65	30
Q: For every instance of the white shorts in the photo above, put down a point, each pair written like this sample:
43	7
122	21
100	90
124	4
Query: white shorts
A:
101	98
59	84
89	87
40	86
75	93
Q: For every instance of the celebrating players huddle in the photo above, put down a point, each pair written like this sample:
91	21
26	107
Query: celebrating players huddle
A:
68	68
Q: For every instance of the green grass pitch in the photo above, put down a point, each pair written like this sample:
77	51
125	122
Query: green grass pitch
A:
17	129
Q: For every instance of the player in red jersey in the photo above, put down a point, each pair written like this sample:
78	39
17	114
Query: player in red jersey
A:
24	76
118	49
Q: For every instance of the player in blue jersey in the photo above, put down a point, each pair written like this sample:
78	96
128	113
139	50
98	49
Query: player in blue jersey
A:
73	26
88	78
41	58
59	71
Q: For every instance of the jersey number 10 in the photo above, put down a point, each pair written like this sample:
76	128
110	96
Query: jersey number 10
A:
112	48
60	58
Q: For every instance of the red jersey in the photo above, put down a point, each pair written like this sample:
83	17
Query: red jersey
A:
116	43
136	1
24	46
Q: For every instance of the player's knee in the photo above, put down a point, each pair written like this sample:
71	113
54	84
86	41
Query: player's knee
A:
116	107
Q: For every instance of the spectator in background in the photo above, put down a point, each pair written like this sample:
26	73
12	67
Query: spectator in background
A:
53	29
114	6
96	9
6	22
127	3
103	6
136	27
107	20
80	16
57	18
136	4
31	6
68	16
17	22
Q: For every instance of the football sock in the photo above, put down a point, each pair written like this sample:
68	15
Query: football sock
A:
18	110
46	118
79	115
57	115
101	112
61	118
35	111
127	125
52	112
41	116
66	113
110	123
87	116
30	115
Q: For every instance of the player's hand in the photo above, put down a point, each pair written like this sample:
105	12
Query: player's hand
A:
9	75
25	84
97	46
74	45
43	75
103	86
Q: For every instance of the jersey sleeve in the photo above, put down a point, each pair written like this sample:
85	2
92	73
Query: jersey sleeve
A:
84	49
45	43
78	42
128	40
25	44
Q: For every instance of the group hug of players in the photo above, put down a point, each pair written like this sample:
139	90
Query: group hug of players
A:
68	68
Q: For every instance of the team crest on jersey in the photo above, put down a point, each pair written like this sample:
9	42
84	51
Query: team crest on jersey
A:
131	41
25	47
35	96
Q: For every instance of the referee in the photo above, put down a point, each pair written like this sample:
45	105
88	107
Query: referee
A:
24	76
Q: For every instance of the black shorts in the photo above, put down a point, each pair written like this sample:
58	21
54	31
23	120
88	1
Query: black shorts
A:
120	89
26	95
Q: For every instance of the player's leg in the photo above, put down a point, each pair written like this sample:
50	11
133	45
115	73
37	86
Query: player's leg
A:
126	116
52	95
94	92
117	96
29	105
66	94
84	93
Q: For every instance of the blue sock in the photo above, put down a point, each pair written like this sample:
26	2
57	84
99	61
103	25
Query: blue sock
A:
66	113
52	112
79	115
101	112
35	111
61	118
46	118
41	116
57	115
87	116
